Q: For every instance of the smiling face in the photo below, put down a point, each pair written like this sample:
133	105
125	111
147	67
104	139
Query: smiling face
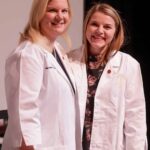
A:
56	19
100	32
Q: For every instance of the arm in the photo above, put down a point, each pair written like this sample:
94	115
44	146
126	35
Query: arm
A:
23	80
31	76
135	111
24	147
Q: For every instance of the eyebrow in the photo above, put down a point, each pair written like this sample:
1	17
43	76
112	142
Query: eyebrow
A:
53	7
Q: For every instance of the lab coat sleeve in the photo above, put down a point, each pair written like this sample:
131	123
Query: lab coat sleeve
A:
30	83
135	111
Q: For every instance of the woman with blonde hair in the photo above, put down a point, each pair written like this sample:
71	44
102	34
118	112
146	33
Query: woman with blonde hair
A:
109	85
39	87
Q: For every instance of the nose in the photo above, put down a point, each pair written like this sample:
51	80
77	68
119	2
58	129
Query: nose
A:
100	29
59	15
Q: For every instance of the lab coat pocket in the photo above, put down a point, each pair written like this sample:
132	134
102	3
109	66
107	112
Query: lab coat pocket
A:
118	86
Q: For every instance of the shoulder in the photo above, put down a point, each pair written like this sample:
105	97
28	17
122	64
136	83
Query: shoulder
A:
26	50
125	57
76	54
127	61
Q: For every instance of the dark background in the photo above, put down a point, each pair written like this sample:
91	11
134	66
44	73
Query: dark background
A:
136	20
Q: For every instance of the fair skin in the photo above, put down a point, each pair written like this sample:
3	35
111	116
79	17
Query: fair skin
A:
55	20
100	32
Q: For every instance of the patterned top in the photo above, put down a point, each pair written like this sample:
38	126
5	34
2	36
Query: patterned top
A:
94	72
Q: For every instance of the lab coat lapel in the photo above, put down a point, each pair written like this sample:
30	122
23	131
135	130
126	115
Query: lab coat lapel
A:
67	66
111	69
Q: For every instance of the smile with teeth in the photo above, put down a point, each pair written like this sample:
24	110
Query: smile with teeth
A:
96	37
57	23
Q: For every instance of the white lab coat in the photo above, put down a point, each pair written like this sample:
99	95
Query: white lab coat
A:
41	101
119	106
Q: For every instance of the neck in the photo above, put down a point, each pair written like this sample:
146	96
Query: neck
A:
46	43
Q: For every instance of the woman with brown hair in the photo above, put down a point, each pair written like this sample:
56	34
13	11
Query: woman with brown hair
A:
109	85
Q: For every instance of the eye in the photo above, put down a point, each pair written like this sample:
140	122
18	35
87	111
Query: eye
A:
65	10
95	24
51	10
108	26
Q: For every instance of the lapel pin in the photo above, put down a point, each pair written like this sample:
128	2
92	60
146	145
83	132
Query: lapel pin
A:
108	71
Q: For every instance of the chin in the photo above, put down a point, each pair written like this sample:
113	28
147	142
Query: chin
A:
98	47
60	30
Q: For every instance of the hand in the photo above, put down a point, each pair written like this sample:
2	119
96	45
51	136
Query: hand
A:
24	147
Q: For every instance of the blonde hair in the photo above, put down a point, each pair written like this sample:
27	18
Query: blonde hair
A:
118	39
32	29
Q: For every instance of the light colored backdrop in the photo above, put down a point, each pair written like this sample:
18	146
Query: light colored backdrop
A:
13	17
